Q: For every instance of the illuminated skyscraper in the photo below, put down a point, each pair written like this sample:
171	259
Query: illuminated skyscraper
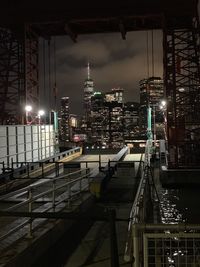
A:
88	92
64	119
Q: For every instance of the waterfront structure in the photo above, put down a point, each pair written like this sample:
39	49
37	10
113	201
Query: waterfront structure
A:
64	119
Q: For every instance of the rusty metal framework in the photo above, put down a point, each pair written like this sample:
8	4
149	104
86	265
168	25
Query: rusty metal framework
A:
11	77
31	67
18	74
182	81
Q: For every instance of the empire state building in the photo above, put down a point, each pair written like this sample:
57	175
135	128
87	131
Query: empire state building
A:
88	92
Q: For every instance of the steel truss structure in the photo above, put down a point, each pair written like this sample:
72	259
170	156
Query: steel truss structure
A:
18	74
12	89
31	67
182	82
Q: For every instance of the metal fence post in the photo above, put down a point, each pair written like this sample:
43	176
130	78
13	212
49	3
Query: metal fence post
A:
113	239
30	234
53	194
135	245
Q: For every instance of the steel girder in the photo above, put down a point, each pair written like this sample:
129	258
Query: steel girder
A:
182	85
18	74
12	90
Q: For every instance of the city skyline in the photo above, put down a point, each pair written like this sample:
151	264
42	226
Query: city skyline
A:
115	63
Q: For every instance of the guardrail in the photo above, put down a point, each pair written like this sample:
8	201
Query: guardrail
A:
167	245
156	244
24	168
59	194
142	205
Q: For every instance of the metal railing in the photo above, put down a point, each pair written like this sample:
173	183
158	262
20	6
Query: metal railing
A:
155	244
59	193
143	201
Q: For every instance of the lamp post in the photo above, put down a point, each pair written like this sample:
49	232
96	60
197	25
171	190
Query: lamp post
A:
40	113
163	105
28	109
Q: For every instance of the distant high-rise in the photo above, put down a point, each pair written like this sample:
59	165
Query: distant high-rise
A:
151	94
151	91
64	119
88	92
116	94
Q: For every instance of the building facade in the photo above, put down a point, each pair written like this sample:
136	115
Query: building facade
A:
64	134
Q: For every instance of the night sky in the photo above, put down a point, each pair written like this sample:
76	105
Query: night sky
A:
114	63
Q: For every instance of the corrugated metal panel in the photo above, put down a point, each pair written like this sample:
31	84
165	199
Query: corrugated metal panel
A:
28	146
12	150
43	143
20	130
28	130
20	139
12	140
2	131
3	152
35	137
35	129
28	156
3	142
21	157
11	130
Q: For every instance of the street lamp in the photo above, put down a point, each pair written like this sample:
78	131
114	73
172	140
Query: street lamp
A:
28	109
40	113
163	106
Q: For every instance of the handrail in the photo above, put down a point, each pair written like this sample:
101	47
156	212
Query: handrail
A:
134	214
25	189
55	201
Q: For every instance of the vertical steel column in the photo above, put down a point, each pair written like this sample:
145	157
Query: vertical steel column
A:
12	87
18	73
182	84
31	67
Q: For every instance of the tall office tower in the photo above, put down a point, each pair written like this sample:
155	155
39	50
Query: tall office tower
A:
131	119
99	117
73	126
116	94
151	93
88	92
64	119
114	106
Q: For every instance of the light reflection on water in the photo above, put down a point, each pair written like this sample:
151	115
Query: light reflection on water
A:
169	211
180	205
